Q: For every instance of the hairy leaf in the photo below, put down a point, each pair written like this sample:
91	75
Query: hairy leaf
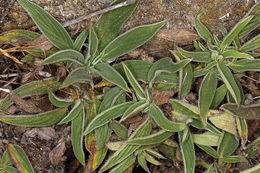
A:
74	112
245	65
202	29
124	164
236	54
227	145
93	45
80	40
196	56
207	138
219	96
133	109
59	102
49	26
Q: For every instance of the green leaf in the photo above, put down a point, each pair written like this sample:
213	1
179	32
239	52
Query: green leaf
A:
219	96
9	36
242	130
119	129
155	138
227	145
124	165
205	70
185	108
102	135
109	24
127	150
155	153
10	169
152	160
206	94
49	26
207	139
255	169
162	121
188	152
245	65
236	54
202	29
6	160
77	127
229	81
196	56
134	109
36	120
65	55
224	121
59	102
74	112
80	40
93	45
242	111
234	32
105	116
20	158
135	85
111	75
252	44
78	75
110	98
209	150
130	40
32	88
142	162
234	159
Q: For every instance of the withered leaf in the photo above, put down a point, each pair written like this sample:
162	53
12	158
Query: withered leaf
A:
161	97
41	43
176	35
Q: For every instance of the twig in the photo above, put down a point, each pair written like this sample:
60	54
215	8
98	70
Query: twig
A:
10	56
122	4
9	75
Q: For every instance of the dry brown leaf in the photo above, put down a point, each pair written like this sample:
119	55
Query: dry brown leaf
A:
56	154
161	97
26	105
41	43
179	36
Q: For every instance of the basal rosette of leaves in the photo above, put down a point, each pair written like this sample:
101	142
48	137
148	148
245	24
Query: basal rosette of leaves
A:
100	122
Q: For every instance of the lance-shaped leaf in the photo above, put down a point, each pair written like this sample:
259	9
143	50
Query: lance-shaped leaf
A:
155	138
110	98
93	45
36	120
65	55
196	56
49	26
20	158
242	111
110	74
185	108
59	102
219	96
135	85
6	160
109	24
102	135
155	154
202	29
126	150
227	145
254	169
134	109
245	65
78	75
130	40
119	129
206	94
242	130
207	138
224	121
74	112
188	152
124	165
234	32
199	125
77	127
162	121
80	40
252	44
32	88
142	162
236	54
254	23
209	150
229	81
152	160
205	70
233	159
18	34
105	116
